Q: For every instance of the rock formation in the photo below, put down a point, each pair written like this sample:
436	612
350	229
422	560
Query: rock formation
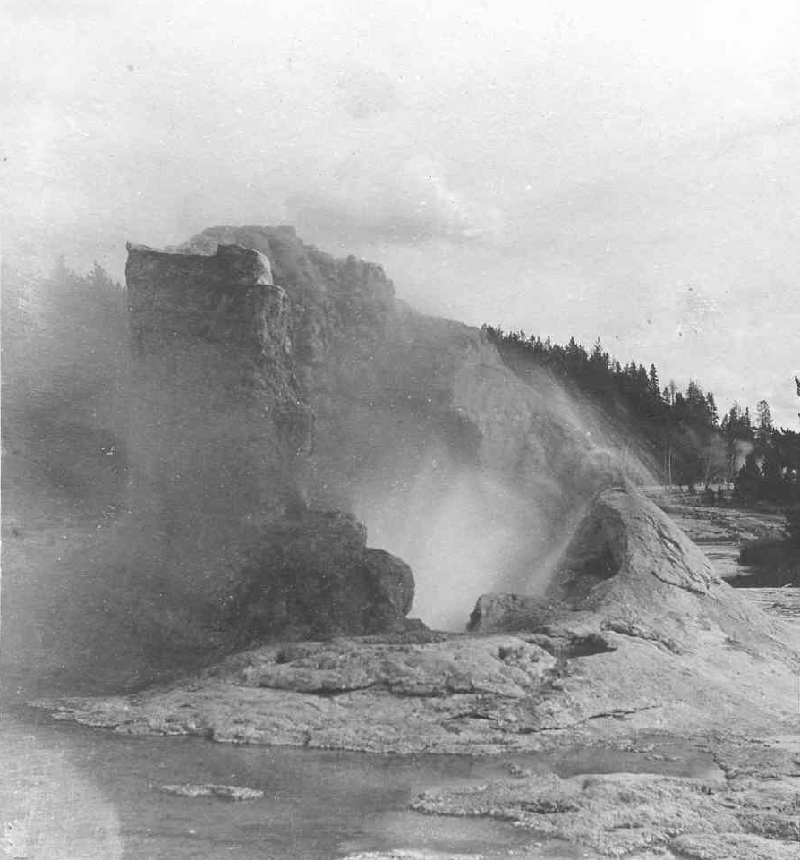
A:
636	638
220	422
265	421
217	416
633	814
630	570
269	384
269	387
635	631
419	429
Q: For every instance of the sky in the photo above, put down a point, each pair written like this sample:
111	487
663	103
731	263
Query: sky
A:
621	170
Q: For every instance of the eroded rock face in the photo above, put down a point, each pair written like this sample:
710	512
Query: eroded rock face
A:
217	416
329	295
266	377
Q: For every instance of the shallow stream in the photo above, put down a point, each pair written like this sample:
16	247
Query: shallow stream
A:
73	792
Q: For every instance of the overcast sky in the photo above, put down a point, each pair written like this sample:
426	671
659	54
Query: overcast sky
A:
627	170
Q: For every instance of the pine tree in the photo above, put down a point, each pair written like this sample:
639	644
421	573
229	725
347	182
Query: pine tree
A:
748	485
763	421
773	483
793	514
654	384
713	413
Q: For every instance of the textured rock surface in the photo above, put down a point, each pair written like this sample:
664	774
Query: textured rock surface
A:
748	808
404	693
469	694
410	855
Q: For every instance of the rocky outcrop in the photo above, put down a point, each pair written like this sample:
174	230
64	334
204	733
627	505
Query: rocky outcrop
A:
268	378
627	537
265	378
329	296
221	422
217	416
216	544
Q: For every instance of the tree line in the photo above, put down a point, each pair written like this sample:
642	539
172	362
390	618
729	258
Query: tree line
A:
692	443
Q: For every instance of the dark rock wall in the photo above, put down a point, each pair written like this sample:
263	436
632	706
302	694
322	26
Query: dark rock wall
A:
220	423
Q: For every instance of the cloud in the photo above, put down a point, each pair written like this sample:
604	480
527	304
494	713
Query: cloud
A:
589	160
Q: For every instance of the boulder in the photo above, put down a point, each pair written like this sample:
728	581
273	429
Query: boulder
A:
508	613
392	580
312	575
